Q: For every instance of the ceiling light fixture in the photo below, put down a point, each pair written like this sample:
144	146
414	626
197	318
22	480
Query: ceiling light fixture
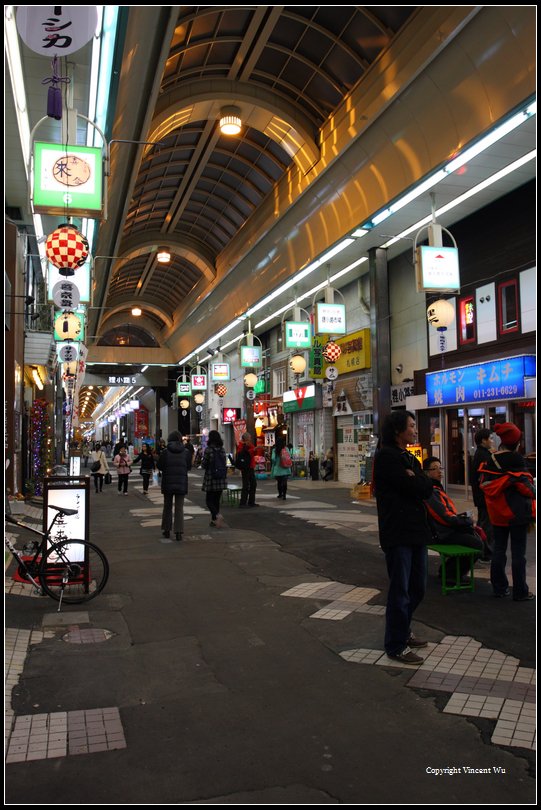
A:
136	312
163	255
230	121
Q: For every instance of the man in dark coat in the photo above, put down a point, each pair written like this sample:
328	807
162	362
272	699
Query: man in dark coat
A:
483	453
174	463
401	488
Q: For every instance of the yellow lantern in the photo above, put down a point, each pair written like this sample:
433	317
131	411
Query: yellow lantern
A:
68	326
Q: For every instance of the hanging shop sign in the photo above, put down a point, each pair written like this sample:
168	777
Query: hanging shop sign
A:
140	417
250	356
69	326
220	372
316	363
298	334
81	280
56	30
67	177
330	318
67	352
199	382
121	379
481	382
436	269
184	389
305	398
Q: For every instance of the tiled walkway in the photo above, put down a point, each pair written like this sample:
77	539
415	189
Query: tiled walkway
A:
483	683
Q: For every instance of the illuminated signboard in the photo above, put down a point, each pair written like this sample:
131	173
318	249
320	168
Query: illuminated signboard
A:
436	269
305	398
250	356
331	318
184	389
230	415
298	335
199	382
67	177
481	382
219	372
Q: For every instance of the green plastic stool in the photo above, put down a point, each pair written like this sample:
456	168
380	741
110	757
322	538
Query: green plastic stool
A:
456	552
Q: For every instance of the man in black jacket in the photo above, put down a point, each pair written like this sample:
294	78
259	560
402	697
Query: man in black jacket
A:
174	463
401	488
483	453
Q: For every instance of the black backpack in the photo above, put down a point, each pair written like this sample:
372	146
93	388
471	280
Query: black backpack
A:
243	460
218	464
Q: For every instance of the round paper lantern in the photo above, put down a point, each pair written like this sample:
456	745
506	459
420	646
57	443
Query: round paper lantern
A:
440	314
297	364
67	249
68	326
332	352
250	380
221	390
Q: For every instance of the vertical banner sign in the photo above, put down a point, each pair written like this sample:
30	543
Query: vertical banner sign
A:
141	422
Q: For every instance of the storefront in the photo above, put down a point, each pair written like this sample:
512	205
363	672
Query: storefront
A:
464	399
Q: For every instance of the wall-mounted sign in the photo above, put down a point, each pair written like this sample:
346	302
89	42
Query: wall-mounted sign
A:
436	269
330	318
81	280
67	177
481	382
317	362
399	393
298	334
184	389
250	356
56	30
417	451
355	352
230	415
220	372
305	398
199	382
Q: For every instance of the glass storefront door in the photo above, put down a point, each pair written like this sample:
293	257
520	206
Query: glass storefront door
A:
461	425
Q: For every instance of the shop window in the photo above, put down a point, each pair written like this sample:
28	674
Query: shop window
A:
468	332
279	381
508	307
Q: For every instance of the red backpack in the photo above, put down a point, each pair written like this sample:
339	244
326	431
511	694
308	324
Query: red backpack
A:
500	488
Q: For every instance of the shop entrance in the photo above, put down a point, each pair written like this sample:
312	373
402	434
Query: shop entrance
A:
462	425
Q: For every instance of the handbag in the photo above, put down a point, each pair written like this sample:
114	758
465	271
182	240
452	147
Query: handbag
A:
108	478
95	466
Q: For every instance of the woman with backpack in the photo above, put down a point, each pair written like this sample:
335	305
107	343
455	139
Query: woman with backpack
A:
281	466
214	482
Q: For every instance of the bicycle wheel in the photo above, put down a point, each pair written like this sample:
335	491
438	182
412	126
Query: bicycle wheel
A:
74	571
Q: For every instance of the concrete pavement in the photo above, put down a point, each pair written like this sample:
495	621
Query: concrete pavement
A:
245	665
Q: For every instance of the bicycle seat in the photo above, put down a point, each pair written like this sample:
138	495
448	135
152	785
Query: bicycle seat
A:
62	509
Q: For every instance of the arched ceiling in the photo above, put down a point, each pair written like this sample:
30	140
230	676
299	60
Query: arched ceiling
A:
286	68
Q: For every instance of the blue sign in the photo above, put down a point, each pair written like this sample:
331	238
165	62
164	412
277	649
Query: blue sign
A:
484	382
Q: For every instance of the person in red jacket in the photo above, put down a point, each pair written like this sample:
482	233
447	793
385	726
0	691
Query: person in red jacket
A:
510	497
247	467
448	526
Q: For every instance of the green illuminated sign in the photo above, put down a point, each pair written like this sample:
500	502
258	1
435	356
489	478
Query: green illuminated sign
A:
67	178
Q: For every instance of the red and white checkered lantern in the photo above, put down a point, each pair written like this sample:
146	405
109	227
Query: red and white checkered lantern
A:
221	390
67	249
332	352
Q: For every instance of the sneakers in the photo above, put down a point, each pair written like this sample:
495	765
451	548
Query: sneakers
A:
407	656
213	523
219	520
166	534
416	642
501	594
525	598
178	536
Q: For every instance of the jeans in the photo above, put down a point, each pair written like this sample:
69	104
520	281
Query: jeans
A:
146	479
498	577
167	514
98	481
407	569
123	483
249	485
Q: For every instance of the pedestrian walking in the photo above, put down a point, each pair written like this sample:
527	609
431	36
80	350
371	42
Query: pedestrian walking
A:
510	498
447	525
214	481
281	466
245	462
98	457
148	465
483	453
123	463
328	465
85	452
174	463
401	487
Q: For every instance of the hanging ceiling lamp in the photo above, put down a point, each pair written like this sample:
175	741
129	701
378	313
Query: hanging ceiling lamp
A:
67	249
163	255
230	121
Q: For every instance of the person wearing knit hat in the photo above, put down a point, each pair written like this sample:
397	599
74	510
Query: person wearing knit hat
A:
511	508
509	434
